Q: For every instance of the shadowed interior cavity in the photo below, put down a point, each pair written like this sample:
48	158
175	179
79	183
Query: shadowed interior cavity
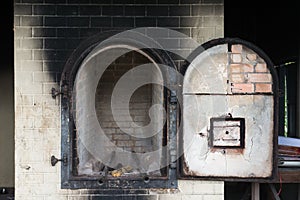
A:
140	102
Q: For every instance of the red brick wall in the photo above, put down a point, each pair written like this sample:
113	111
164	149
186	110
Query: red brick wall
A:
247	72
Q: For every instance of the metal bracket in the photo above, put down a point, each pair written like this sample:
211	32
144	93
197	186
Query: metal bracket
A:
55	92
55	160
173	97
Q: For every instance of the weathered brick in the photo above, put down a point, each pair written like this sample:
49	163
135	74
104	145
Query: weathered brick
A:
236	48
43	77
157	10
243	88
169	197
219	10
135	11
128	143
182	10
47	189
42	167
30	157
169	43
31	111
67	10
219	31
55	21
55	44
261	67
25	100
35	197
112	10
263	87
241	68
216	20
84	197
258	78
26	123
101	22
59	55
204	187
236	58
90	10
251	56
30	65
191	21
52	178
238	78
69	32
17	20
43	122
72	43
78	21
44	32
33	178
121	137
31	88
168	22
186	186
31	21
219	188
23	32
203	32
157	33
23	10
213	197
24	54
183	32
123	22
202	10
32	44
145	21
44	10
52	66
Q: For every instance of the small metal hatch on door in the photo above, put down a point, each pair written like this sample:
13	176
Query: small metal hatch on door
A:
229	112
227	132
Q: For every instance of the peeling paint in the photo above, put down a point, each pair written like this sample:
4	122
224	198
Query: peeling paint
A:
225	148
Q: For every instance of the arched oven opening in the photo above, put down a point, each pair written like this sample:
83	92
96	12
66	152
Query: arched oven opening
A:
115	117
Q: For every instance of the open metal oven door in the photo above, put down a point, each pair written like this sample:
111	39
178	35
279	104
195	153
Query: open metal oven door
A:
229	113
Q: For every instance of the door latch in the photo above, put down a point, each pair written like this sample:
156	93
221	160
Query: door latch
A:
55	160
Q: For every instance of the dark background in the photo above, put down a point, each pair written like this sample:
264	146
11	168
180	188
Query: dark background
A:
6	33
274	27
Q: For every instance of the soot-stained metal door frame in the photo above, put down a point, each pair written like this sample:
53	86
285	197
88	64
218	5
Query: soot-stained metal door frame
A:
69	178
